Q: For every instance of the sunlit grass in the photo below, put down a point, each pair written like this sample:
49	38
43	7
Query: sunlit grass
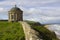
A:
14	31
11	31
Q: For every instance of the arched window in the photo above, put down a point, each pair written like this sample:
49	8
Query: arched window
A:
12	16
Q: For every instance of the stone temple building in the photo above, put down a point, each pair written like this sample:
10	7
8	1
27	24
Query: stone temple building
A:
15	14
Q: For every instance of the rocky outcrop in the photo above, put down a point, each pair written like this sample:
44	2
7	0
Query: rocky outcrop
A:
30	34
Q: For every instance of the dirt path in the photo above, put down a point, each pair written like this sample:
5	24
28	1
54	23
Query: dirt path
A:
30	34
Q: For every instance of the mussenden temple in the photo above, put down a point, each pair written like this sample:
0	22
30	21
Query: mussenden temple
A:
15	14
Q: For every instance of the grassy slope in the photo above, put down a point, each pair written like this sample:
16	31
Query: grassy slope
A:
14	31
11	31
45	33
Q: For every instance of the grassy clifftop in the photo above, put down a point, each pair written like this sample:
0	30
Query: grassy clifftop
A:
11	31
44	32
14	31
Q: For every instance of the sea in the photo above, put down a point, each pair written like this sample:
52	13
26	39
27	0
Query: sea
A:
55	28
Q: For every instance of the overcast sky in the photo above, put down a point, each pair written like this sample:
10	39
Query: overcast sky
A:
44	11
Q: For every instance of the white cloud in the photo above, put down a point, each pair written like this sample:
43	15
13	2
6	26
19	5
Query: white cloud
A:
33	10
7	3
29	3
1	8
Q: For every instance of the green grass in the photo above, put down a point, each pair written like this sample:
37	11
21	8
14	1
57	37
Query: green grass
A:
11	31
44	32
14	31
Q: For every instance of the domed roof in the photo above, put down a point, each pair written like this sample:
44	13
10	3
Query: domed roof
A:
15	9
